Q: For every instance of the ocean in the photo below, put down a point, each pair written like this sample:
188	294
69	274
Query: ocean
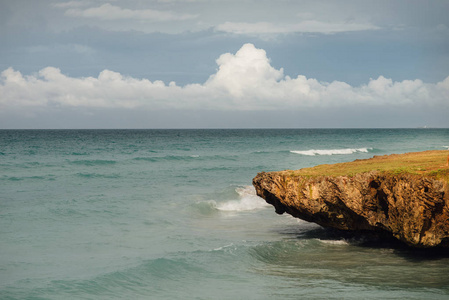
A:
172	214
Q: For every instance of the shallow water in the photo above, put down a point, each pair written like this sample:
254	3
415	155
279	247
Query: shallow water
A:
171	214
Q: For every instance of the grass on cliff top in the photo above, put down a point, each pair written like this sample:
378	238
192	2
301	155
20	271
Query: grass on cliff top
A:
432	163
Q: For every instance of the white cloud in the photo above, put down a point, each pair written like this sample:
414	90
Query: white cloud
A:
112	12
243	81
248	70
307	26
181	1
70	4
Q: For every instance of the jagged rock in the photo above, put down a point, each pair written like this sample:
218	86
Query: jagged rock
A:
406	195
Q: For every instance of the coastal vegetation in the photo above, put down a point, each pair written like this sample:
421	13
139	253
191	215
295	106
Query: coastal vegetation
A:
406	195
430	163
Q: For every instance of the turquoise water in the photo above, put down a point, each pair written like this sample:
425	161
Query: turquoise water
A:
171	214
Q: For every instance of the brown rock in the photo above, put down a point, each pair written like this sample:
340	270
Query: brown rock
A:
412	205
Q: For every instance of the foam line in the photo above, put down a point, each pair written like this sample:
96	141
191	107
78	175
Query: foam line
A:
314	152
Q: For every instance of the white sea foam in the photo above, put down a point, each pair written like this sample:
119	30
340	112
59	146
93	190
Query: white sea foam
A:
334	242
313	152
224	247
248	200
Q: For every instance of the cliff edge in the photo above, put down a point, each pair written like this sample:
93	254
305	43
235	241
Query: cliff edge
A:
404	194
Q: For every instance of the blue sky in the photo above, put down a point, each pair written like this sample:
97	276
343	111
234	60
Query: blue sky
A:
223	63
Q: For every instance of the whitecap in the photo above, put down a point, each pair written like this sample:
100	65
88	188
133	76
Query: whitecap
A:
224	247
314	152
334	242
248	200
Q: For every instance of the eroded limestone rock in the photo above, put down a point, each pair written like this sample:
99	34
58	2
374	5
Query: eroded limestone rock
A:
414	208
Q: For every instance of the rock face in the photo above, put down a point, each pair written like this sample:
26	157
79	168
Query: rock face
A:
414	208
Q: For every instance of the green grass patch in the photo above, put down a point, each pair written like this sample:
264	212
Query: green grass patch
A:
431	163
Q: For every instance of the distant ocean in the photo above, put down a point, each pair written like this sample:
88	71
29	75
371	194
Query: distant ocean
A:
172	214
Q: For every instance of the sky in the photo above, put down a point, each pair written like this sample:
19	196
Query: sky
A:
224	64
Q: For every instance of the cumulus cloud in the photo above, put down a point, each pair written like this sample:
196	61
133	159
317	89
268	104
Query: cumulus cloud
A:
243	81
112	12
307	26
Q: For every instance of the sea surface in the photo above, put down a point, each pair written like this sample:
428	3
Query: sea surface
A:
172	214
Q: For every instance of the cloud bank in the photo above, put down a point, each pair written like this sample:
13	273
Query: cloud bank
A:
112	12
244	81
308	26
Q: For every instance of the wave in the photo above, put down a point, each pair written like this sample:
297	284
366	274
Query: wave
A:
96	175
79	153
152	159
334	242
212	169
167	157
248	200
156	277
314	152
94	162
264	152
191	157
15	178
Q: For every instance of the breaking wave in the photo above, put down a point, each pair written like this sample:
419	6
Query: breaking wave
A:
334	242
314	152
248	200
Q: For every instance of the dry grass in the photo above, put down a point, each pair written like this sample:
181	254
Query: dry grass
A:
431	163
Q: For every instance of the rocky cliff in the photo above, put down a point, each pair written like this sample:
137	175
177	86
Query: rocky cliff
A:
406	195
